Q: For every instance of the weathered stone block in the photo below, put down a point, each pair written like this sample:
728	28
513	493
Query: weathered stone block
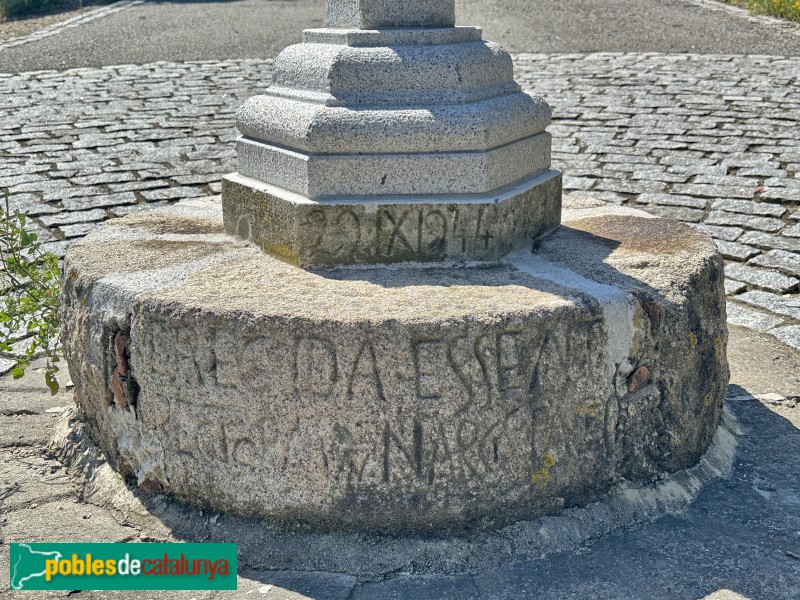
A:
398	398
322	129
376	14
389	230
411	111
319	176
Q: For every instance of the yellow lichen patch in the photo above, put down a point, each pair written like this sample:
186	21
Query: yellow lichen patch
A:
542	477
587	411
692	340
73	276
709	399
284	253
719	348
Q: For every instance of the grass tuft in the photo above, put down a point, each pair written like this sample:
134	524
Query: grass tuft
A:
784	9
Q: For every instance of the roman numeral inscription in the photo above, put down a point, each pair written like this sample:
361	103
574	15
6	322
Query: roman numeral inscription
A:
391	233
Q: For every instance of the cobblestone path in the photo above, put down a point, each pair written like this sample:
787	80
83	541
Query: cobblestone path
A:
708	139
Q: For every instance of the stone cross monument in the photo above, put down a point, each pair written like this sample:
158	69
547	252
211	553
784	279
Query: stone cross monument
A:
261	356
392	136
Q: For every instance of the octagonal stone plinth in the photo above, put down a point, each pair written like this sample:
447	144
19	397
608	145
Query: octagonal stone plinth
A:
392	136
396	398
347	231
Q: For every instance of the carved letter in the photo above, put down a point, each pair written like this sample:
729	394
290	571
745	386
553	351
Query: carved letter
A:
316	368
365	368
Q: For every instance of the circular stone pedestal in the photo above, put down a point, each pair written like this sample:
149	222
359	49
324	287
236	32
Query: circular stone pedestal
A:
396	398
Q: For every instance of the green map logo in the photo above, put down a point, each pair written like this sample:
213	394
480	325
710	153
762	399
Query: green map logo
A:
28	564
122	566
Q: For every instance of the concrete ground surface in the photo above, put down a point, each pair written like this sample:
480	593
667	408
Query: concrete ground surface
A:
198	30
739	539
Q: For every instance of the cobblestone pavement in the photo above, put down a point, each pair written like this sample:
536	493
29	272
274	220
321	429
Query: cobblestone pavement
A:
711	140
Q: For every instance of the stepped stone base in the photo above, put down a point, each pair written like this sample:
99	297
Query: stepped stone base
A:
396	398
343	231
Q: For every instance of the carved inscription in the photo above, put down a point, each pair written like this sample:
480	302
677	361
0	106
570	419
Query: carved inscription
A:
365	375
395	233
316	368
335	238
369	411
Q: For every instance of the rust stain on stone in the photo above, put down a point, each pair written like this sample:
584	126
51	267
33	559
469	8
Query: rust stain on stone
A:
640	234
639	378
118	390
150	486
121	352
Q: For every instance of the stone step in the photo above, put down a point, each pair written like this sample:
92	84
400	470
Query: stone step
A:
392	37
315	128
399	75
323	175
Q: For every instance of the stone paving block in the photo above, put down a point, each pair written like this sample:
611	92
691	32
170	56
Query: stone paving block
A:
782	194
767	170
750	208
729	234
736	251
764	278
578	183
781	181
713	191
720	217
102	178
29	204
788	335
792	231
121	211
99	201
783	305
733	287
68	218
767	240
77	230
130	186
727	180
196	178
680	213
58	247
630	187
788	262
739	315
6	364
660	176
673	200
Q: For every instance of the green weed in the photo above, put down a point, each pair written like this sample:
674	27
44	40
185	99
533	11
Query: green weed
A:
29	283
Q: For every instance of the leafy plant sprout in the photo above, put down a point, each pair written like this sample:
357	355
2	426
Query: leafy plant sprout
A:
29	283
